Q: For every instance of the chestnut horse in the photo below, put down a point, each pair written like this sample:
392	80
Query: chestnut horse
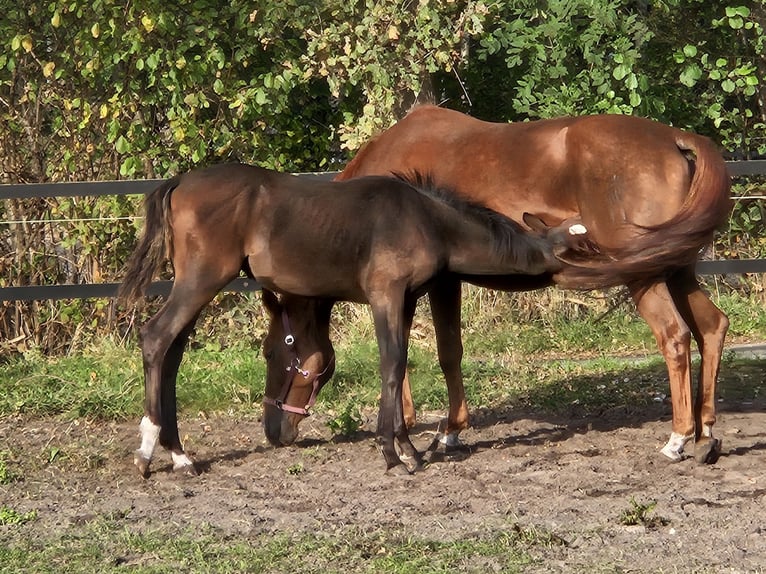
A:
376	240
651	197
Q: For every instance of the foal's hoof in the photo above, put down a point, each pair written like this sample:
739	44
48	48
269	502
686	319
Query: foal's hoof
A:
707	450
142	463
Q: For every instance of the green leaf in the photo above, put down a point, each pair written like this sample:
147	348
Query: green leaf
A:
732	11
690	50
690	75
122	145
736	23
728	86
621	71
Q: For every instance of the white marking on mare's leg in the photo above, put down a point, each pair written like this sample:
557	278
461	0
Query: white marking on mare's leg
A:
450	439
577	229
675	447
707	431
150	434
181	461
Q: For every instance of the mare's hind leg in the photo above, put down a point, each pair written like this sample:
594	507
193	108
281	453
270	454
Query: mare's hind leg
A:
162	342
709	326
444	299
408	404
656	306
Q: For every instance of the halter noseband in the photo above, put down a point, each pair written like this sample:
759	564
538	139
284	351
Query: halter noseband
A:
291	370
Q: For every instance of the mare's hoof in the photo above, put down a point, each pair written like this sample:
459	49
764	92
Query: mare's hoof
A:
142	464
672	455
445	447
707	450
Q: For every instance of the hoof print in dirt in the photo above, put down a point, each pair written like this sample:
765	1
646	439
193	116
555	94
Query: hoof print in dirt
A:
398	470
186	470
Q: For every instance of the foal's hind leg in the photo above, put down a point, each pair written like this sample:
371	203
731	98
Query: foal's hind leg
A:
444	299
708	325
656	306
162	342
169	437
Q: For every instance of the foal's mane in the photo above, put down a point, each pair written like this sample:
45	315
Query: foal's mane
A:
505	231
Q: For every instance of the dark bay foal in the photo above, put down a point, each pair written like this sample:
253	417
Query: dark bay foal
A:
375	240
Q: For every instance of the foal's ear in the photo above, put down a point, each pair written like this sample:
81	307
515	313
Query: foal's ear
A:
271	303
535	223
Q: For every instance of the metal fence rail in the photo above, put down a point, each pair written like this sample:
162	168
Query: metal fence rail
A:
139	187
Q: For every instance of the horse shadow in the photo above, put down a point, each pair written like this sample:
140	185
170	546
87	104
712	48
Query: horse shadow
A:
627	397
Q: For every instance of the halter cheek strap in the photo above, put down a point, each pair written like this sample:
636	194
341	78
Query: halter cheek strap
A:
290	372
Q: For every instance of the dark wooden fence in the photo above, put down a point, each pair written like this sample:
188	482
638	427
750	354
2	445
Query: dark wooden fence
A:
139	187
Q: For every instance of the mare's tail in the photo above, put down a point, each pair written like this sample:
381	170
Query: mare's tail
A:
154	247
659	250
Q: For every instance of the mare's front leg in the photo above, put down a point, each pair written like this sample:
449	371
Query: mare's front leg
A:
657	307
444	298
709	326
393	317
163	339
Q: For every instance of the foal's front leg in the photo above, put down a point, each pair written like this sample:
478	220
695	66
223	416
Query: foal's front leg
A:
392	330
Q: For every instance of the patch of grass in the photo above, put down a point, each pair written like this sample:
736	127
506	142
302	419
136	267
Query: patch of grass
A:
7	476
346	422
107	382
114	546
543	351
9	516
639	514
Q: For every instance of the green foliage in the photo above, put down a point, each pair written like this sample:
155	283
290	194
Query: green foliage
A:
569	58
723	63
347	422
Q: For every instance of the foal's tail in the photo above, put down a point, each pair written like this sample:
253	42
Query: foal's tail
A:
153	248
659	250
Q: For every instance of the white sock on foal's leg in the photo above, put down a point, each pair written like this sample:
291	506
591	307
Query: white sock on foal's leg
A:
150	434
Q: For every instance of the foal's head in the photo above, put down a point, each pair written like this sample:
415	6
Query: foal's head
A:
299	360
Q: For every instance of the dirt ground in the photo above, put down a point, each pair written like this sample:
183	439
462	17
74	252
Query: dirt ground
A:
571	477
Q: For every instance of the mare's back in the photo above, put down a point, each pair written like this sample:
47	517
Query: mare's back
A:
601	168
